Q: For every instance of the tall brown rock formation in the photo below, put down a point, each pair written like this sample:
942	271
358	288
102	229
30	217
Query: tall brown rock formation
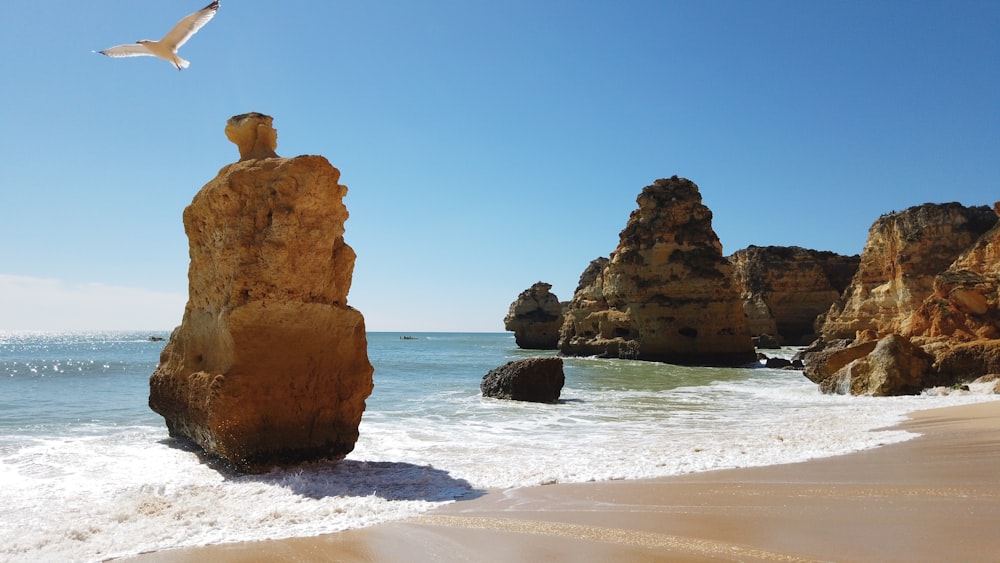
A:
904	253
666	294
535	318
928	281
270	364
963	305
784	288
960	321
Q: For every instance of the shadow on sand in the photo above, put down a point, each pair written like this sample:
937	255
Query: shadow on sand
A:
388	480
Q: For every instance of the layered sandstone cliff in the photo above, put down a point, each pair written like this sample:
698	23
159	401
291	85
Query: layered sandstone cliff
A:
963	305
270	364
535	318
904	253
582	316
785	288
666	293
960	321
928	281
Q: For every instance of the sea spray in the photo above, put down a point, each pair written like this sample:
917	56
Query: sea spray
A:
87	472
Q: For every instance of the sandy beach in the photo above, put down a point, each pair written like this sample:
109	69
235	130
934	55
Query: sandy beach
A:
933	498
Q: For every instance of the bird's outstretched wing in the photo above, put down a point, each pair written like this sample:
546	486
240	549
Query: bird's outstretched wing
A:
130	50
189	26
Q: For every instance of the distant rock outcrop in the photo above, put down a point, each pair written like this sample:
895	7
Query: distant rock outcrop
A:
588	298
535	318
666	293
270	364
539	380
926	295
785	288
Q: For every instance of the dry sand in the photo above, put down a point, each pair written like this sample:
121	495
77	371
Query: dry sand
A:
933	498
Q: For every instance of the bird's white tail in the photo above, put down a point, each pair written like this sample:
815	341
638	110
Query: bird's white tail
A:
180	63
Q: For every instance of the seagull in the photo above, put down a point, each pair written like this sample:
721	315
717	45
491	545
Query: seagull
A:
166	48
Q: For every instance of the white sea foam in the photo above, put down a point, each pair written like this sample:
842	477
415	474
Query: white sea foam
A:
88	491
626	434
92	498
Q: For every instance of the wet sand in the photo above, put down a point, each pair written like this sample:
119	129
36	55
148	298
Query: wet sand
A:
933	498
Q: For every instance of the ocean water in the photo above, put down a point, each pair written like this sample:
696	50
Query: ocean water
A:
88	472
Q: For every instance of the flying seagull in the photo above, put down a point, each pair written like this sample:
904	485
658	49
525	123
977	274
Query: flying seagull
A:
166	48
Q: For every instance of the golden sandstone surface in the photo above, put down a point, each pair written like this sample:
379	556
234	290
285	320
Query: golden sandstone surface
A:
784	288
930	276
666	293
269	365
253	134
535	318
903	254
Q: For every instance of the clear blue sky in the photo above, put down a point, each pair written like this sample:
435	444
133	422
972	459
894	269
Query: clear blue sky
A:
487	145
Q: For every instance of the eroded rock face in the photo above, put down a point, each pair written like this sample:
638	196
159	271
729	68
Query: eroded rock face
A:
538	380
535	318
270	364
903	255
580	316
666	294
968	361
929	277
253	134
894	366
964	305
785	288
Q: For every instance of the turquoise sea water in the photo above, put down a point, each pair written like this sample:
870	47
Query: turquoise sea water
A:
87	471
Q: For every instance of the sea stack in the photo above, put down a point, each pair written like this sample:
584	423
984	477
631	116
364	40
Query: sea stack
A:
666	294
270	364
535	318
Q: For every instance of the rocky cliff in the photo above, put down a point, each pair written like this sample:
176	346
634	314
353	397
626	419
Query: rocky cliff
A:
960	321
666	293
582	315
785	288
904	253
927	283
270	364
535	318
963	304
